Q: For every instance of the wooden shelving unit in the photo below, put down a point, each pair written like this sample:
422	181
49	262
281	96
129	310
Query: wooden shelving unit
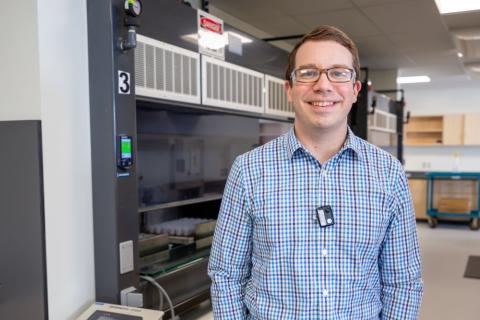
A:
434	130
470	131
424	130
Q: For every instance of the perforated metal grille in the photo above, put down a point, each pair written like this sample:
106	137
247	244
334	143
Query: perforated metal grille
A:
166	71
230	86
140	64
150	66
276	99
382	121
160	67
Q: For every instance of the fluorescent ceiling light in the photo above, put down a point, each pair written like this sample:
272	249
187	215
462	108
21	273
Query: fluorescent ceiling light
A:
469	38
415	79
452	6
193	37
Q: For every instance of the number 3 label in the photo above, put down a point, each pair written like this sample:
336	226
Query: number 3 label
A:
123	82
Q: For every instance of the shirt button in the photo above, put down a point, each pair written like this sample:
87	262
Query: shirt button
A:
325	293
324	173
324	252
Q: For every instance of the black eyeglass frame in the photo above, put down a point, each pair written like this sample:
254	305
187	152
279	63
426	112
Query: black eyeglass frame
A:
294	79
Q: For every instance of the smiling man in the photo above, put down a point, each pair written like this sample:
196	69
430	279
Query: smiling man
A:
317	224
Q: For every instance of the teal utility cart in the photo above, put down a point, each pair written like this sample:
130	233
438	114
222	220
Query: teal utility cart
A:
433	213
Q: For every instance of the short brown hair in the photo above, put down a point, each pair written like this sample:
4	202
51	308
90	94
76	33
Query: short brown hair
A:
325	33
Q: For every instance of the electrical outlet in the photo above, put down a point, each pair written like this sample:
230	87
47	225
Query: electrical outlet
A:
426	165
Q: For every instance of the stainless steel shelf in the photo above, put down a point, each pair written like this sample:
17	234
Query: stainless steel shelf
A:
205	198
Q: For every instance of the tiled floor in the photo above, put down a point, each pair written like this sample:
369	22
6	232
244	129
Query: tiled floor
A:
448	295
445	252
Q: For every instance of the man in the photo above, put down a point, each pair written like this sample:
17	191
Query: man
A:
317	224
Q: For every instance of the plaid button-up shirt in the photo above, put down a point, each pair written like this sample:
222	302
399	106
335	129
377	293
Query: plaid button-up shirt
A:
271	259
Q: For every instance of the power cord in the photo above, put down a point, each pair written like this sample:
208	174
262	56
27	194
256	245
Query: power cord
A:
161	293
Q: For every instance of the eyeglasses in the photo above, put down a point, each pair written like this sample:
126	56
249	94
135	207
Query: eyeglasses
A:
310	75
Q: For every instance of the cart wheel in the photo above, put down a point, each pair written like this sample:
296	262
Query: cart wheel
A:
432	222
474	224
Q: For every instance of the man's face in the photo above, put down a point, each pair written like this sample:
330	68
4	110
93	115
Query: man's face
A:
322	105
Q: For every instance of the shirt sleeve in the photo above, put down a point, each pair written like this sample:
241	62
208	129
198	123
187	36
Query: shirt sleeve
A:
399	261
230	258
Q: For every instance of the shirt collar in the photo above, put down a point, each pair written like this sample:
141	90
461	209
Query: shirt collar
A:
351	143
291	142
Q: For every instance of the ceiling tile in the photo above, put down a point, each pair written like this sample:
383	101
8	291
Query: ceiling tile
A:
406	17
422	42
375	45
247	10
280	26
351	21
385	61
440	57
367	3
310	6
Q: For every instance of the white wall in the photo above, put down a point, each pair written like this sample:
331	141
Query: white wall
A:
44	63
19	77
442	99
63	52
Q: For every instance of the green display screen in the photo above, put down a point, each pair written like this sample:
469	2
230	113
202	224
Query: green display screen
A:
126	147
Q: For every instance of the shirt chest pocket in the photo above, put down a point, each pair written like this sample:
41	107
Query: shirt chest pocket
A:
364	218
277	224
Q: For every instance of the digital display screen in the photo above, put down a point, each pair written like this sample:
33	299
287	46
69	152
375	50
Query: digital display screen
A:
126	147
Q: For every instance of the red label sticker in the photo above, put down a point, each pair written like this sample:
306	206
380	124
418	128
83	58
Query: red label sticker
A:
210	25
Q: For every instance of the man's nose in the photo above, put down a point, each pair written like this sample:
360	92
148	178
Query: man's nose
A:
322	84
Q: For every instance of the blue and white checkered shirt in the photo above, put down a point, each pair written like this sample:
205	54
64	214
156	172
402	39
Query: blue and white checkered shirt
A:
271	259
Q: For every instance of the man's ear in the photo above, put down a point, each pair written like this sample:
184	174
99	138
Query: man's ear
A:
357	86
288	90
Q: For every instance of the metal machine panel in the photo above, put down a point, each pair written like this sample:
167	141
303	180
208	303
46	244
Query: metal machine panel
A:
165	71
276	102
112	114
382	121
230	86
23	288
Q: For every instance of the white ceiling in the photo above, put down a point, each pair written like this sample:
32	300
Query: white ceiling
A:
408	35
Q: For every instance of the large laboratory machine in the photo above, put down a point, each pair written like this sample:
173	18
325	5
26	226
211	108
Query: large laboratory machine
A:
169	114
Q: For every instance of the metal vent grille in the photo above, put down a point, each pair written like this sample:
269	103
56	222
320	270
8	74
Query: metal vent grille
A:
165	71
276	102
230	86
382	121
